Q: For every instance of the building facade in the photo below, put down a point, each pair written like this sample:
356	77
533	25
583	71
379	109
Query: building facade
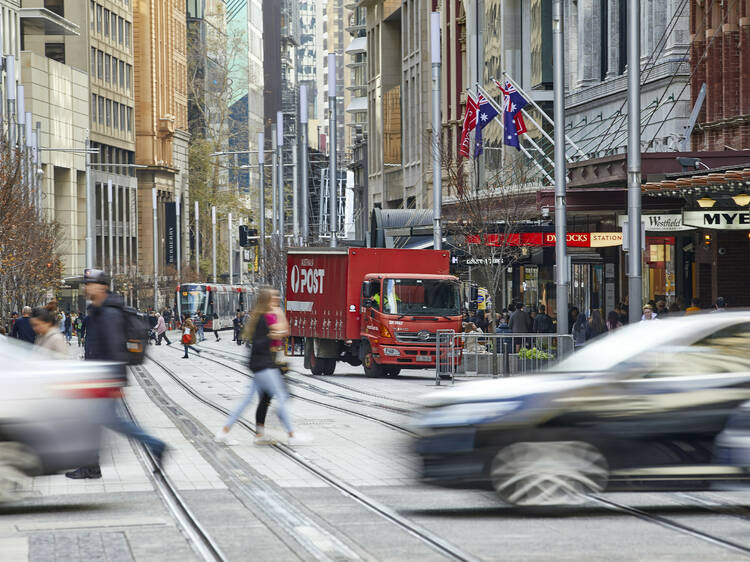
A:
720	56
161	124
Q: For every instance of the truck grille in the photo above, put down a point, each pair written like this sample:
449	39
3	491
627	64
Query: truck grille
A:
416	337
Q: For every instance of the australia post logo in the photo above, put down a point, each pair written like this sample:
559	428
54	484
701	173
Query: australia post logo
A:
307	280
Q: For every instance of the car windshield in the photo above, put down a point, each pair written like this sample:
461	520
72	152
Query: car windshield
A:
192	299
628	343
421	297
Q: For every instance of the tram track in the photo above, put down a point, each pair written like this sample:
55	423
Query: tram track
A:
317	390
430	539
195	533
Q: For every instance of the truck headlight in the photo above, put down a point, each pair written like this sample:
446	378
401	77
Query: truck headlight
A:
391	351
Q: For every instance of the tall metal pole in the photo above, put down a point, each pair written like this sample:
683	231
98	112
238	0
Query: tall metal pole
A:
561	173
90	212
111	234
274	182
295	191
437	169
156	251
634	162
280	171
305	229
178	204
10	96
231	249
332	167
213	241
262	203
197	241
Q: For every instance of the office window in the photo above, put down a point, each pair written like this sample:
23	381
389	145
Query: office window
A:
93	62
99	64
92	14
116	115
114	72
119	30
114	27
107	72
128	71
130	119
106	23
127	33
122	74
93	108
109	113
56	7
122	117
101	110
99	10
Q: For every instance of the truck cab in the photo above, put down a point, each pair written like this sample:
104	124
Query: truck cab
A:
400	317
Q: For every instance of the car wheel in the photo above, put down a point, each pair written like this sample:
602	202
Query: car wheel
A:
548	473
372	369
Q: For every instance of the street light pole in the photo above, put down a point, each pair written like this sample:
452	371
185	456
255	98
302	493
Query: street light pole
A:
262	203
274	178
280	171
305	230
231	249
156	251
90	213
213	241
634	163
437	179
111	237
197	242
332	175
561	214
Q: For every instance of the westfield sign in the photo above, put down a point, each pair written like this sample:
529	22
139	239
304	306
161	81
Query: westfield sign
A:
546	239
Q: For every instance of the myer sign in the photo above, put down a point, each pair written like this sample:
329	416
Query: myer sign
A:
721	220
659	223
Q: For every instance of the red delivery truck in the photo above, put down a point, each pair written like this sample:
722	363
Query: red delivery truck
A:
375	307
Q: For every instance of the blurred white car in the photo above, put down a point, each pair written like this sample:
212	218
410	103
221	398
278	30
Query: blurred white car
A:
50	412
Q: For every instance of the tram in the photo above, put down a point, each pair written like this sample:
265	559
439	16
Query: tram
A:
218	303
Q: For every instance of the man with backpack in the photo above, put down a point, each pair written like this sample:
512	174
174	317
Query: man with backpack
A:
543	322
109	337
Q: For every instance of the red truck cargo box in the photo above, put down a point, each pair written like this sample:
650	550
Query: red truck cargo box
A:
324	284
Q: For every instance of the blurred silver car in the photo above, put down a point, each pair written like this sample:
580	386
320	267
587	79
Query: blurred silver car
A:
655	405
50	412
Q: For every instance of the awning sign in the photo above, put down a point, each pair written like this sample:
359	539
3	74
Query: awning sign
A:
720	220
659	223
546	239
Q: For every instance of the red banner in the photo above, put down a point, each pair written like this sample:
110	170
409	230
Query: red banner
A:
547	239
470	121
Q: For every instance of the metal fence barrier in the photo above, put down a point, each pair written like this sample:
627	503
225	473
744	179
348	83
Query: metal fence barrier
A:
476	354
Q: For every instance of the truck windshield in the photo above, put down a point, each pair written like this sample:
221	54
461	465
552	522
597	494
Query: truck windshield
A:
192	299
421	297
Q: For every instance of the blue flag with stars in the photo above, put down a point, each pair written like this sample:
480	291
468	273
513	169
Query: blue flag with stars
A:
485	114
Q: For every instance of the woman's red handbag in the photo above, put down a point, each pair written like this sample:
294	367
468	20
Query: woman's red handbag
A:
186	339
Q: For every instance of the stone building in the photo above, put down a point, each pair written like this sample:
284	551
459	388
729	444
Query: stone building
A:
161	124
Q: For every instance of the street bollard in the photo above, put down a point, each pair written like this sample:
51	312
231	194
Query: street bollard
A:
506	360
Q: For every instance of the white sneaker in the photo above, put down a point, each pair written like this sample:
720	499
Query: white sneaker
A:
299	439
223	437
264	439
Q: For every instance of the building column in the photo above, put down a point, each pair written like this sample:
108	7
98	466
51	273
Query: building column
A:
613	33
588	34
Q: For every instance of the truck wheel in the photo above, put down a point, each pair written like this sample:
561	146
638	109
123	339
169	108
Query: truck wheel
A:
372	369
329	366
322	366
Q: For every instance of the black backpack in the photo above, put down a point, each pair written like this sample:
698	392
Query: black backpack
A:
136	334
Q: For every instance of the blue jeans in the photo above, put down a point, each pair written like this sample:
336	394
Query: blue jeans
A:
268	381
116	421
200	333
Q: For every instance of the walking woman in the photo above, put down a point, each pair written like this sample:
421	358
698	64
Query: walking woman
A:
188	336
48	336
266	329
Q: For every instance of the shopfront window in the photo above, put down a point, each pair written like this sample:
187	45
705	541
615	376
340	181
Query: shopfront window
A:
659	268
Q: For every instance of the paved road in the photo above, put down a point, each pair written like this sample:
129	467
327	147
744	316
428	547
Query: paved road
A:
265	503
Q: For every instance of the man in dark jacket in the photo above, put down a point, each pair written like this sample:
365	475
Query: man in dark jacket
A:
22	329
106	341
543	322
520	321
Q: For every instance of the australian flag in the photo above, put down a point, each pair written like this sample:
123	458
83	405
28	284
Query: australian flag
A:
485	114
513	123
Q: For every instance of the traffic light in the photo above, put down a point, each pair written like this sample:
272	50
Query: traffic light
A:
252	237
243	235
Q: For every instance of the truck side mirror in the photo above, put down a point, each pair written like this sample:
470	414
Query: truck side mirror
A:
367	290
369	303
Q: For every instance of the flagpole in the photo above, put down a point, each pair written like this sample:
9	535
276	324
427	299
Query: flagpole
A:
561	217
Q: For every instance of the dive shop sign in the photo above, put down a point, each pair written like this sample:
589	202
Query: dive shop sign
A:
720	220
